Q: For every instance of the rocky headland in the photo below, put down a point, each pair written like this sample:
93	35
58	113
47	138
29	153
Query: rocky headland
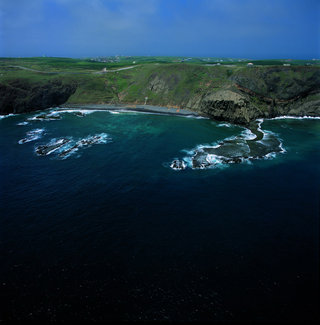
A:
236	95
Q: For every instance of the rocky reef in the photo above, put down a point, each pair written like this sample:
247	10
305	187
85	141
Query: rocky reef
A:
251	144
65	147
46	149
178	164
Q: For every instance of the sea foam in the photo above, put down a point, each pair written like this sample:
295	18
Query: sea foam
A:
294	117
5	116
32	136
68	146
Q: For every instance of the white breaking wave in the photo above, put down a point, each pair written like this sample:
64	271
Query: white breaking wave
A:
228	125
267	134
54	113
294	117
283	150
87	142
5	116
45	117
213	159
247	135
133	112
178	164
196	117
52	146
82	111
65	147
188	161
32	136
59	144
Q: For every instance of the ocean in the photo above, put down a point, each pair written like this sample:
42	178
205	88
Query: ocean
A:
110	215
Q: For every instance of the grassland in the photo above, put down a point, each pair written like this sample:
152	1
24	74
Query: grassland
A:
51	64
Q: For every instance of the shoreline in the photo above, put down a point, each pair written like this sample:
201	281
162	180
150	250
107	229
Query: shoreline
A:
133	108
163	110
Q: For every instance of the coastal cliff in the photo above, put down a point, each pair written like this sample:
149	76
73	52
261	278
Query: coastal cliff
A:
235	94
243	95
19	95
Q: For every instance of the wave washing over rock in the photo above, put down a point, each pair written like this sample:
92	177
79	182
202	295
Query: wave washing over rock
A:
5	116
284	117
46	117
65	147
55	114
32	136
246	147
77	112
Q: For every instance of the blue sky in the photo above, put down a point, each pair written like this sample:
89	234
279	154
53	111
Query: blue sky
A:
230	28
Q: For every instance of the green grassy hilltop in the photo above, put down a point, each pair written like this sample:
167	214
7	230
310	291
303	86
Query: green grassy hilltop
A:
224	89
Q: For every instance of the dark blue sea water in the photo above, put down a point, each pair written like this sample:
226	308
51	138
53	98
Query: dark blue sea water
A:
109	231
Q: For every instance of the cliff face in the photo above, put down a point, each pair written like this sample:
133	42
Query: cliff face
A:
19	96
250	93
242	107
229	106
246	109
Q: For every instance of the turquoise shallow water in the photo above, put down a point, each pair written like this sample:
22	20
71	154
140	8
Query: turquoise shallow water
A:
111	232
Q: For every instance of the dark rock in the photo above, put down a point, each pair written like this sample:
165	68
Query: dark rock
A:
178	165
81	143
19	96
46	149
80	114
47	117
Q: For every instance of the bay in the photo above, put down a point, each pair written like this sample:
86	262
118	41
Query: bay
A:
109	231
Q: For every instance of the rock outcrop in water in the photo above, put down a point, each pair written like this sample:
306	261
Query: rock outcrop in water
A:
178	164
46	149
65	147
245	147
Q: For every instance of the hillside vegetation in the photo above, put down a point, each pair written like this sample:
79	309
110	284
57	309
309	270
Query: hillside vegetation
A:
231	92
